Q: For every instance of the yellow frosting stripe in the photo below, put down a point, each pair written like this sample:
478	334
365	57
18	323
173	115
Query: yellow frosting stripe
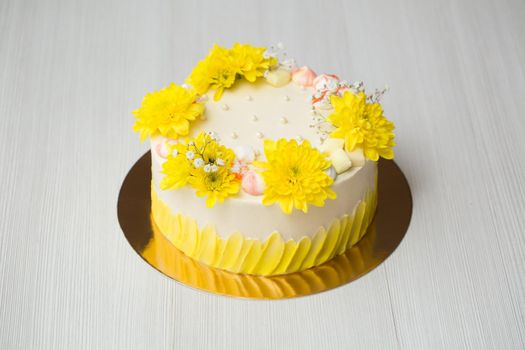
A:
302	250
272	252
346	224
246	247
317	245
231	250
240	254
329	244
289	251
252	258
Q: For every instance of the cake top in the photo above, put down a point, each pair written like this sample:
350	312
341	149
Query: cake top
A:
249	122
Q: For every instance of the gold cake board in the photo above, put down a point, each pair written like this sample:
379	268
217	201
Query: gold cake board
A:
394	210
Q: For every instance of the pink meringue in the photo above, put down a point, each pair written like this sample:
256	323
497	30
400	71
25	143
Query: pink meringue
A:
326	82
162	150
321	100
162	147
303	76
252	183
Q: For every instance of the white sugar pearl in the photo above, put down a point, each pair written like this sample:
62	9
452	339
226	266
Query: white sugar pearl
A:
259	135
254	118
225	107
234	135
283	120
299	139
249	98
287	98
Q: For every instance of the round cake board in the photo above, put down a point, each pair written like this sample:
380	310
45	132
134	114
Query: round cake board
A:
384	235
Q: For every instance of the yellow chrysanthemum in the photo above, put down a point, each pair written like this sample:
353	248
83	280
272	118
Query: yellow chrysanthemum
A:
362	124
251	61
220	69
205	165
217	71
177	169
216	186
294	175
168	112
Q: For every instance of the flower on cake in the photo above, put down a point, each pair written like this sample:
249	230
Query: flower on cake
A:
251	61
294	175
362	125
168	112
222	67
204	164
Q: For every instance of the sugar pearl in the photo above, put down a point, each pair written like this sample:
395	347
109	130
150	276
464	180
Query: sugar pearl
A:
254	118
234	135
287	98
259	135
283	120
225	107
249	98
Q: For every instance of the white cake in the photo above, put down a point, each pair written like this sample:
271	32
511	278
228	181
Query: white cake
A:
320	216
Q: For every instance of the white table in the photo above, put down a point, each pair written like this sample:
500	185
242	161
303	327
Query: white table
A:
72	71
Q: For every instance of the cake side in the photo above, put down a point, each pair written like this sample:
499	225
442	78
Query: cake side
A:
246	214
271	256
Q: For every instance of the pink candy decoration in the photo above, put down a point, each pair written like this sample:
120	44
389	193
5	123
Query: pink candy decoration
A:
303	76
326	83
162	149
253	183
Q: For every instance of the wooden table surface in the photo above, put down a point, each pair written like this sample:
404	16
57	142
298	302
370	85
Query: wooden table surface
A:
71	72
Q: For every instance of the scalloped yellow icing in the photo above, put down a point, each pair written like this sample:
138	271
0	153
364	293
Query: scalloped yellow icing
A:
342	268
274	256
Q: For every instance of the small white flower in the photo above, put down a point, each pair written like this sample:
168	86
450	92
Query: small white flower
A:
191	143
207	168
198	162
214	168
220	162
190	155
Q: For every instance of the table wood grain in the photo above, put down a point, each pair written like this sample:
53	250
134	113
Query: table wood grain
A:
72	71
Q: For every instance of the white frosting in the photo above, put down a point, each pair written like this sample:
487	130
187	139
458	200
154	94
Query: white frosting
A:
246	213
269	105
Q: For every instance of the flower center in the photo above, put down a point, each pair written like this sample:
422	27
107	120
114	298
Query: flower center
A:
213	181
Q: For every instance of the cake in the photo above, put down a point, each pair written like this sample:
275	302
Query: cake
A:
260	166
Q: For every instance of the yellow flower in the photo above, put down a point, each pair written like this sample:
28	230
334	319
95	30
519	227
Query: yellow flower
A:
362	124
168	112
216	71
216	186
221	68
205	165
294	175
177	170
251	61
